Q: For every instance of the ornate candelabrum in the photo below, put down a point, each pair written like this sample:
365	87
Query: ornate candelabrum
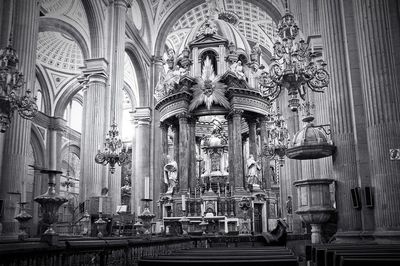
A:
23	218
100	225
293	66
146	216
11	90
86	223
203	225
113	152
278	138
50	203
185	223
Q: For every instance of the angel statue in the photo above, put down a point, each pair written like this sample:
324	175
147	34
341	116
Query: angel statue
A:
208	90
171	174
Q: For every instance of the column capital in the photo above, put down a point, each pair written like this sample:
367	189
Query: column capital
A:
142	116
235	113
95	69
122	3
157	60
184	116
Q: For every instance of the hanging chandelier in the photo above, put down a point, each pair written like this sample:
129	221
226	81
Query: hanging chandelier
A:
293	66
113	152
11	90
278	138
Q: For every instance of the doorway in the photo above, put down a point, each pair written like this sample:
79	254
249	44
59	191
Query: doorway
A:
258	218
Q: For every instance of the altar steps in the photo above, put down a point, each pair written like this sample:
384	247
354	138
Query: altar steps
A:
249	256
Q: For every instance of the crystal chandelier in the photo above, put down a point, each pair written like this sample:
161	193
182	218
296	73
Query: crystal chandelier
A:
293	66
113	152
278	138
11	89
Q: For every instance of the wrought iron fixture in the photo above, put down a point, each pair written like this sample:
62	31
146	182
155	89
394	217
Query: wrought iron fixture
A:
293	66
69	182
11	90
278	138
113	152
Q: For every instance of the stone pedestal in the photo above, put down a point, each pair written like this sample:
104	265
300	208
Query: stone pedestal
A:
315	205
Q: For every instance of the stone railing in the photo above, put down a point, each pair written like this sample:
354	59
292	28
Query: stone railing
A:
91	251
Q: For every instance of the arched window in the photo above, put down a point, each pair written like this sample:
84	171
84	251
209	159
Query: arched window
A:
73	114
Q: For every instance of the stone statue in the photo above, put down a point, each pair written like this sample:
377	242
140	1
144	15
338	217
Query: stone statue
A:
289	205
252	168
171	174
239	70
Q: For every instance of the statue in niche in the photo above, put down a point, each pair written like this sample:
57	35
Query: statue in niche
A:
239	70
252	171
126	192
171	174
289	205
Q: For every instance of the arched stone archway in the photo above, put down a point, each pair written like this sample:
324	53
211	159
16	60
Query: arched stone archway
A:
58	25
141	74
45	91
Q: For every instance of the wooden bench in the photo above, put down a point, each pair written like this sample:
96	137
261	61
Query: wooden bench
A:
236	262
325	255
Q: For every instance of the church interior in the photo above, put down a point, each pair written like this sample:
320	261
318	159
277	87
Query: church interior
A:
205	132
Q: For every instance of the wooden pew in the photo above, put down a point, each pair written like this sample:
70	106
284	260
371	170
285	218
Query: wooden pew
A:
236	262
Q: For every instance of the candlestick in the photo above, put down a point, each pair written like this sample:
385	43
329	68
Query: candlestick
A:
183	203
146	187
100	204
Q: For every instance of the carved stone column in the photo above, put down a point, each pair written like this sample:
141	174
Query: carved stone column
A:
54	142
184	154
381	96
345	163
117	63
175	129
192	150
17	137
142	156
265	161
237	161
164	147
94	127
252	122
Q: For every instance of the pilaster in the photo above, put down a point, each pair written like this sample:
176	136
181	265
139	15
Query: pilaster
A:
17	137
381	97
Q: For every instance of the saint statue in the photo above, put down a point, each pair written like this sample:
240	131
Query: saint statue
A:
252	168
239	70
171	174
289	205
